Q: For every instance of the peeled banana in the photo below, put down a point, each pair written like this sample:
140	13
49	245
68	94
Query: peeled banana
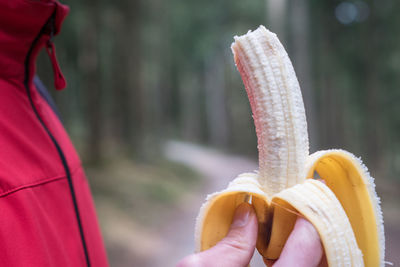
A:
344	208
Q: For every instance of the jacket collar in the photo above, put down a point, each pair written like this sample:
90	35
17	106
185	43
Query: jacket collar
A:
24	30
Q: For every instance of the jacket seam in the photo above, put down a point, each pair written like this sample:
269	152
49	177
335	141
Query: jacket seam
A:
36	183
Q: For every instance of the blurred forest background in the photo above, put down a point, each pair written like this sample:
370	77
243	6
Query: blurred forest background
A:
142	73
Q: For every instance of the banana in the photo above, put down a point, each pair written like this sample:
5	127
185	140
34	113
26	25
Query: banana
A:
345	209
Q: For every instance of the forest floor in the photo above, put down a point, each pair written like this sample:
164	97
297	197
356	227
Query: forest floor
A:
148	220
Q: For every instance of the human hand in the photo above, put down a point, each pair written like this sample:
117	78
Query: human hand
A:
303	248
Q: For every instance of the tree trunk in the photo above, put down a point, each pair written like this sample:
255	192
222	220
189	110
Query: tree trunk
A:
299	44
89	64
216	110
276	18
128	109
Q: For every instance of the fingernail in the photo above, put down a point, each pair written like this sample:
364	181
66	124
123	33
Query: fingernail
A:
242	215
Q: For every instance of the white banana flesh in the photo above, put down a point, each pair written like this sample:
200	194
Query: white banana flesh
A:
277	106
345	212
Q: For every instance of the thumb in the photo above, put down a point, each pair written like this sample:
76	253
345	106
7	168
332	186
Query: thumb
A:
303	247
236	249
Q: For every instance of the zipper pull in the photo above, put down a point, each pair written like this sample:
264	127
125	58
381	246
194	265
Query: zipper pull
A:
59	80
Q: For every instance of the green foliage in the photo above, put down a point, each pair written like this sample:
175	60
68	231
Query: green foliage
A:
148	71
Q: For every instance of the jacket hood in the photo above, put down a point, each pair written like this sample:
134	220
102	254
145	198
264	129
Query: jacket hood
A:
22	22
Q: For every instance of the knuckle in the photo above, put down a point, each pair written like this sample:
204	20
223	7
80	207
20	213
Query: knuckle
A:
237	244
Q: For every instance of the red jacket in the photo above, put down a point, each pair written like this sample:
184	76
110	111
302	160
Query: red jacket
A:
46	209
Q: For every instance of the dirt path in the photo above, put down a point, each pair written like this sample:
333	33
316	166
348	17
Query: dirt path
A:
218	170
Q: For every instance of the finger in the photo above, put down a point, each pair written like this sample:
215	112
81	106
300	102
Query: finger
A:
303	247
236	249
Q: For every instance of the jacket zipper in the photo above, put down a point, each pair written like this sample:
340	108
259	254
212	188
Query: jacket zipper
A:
50	25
